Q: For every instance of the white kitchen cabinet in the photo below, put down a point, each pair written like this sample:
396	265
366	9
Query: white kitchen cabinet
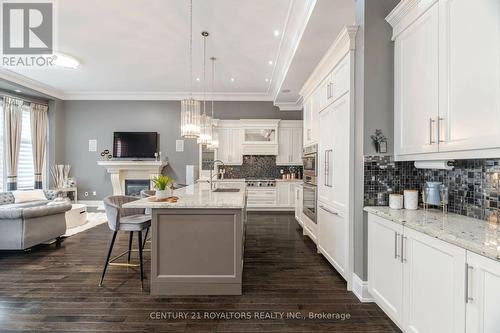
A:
483	294
416	102
433	284
285	198
290	143
385	271
447	82
261	198
334	85
334	154
298	192
286	194
229	150
311	120
333	233
470	70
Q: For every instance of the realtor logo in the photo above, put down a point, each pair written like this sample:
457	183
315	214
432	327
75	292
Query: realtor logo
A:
27	28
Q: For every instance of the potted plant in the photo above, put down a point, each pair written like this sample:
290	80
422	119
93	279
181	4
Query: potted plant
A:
163	185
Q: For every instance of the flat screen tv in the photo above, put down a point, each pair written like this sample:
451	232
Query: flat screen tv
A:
135	144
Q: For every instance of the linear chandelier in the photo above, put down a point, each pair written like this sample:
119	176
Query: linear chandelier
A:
190	108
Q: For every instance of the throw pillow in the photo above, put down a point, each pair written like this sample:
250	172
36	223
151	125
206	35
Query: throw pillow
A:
28	195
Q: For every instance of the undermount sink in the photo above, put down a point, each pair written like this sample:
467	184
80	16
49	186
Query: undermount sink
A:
226	190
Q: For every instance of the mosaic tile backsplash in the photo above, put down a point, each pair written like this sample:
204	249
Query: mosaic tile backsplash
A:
259	167
473	184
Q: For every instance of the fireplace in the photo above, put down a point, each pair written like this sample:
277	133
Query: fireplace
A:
133	187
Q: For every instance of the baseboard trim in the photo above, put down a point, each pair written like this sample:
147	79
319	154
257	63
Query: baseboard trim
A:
360	289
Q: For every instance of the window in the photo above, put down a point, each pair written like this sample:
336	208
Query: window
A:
2	158
25	168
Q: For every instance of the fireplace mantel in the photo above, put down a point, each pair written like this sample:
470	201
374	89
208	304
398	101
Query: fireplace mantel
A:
126	169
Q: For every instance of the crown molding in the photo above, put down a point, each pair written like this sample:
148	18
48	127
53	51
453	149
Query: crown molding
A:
290	106
298	17
343	44
24	81
164	96
405	13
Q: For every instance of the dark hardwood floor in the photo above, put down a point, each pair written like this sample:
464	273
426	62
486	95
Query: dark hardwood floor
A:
55	289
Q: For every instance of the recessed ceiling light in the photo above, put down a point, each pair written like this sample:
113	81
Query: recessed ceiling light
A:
64	60
276	33
232	79
198	79
266	79
17	90
270	62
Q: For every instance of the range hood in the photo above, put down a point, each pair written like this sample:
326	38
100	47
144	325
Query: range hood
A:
260	136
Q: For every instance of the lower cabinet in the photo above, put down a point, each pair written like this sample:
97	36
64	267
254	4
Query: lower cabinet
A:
333	234
426	285
483	294
433	284
385	272
261	197
298	203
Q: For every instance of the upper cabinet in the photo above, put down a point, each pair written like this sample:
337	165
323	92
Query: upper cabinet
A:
447	81
311	120
230	138
290	143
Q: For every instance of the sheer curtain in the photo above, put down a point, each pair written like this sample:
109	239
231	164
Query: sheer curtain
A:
25	165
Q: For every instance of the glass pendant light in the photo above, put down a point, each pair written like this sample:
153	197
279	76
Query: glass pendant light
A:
214	143
205	120
190	108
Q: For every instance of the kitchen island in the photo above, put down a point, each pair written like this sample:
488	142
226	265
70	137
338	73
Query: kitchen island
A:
197	243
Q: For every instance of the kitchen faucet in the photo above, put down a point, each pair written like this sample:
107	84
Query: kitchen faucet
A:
211	173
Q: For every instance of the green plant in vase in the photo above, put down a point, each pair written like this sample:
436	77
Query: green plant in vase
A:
163	185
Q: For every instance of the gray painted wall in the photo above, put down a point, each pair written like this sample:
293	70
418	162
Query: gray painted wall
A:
374	84
85	120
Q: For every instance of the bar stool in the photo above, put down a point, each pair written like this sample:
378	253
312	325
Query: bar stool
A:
129	220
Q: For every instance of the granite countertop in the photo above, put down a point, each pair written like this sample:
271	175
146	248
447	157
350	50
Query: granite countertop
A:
290	180
200	196
475	235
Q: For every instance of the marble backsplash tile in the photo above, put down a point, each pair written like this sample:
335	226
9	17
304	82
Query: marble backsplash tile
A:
259	166
473	184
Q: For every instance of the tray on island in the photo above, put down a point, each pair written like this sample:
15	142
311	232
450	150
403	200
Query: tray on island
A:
169	199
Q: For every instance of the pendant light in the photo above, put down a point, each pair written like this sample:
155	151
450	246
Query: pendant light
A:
214	143
190	108
205	120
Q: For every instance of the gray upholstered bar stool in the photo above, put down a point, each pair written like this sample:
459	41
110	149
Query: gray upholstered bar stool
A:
125	219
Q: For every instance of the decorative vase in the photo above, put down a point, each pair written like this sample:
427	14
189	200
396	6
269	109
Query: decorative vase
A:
162	194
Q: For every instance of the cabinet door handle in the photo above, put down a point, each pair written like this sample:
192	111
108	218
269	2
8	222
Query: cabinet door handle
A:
328	177
396	236
468	269
403	249
328	210
431	125
325	172
440	119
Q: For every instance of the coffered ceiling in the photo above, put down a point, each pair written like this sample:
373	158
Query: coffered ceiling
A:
131	49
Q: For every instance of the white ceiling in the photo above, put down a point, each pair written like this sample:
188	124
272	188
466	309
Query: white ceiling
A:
326	21
133	49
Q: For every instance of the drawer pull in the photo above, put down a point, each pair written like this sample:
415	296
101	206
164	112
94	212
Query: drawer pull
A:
328	210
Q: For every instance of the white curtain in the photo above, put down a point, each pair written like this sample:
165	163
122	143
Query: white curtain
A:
39	124
13	120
